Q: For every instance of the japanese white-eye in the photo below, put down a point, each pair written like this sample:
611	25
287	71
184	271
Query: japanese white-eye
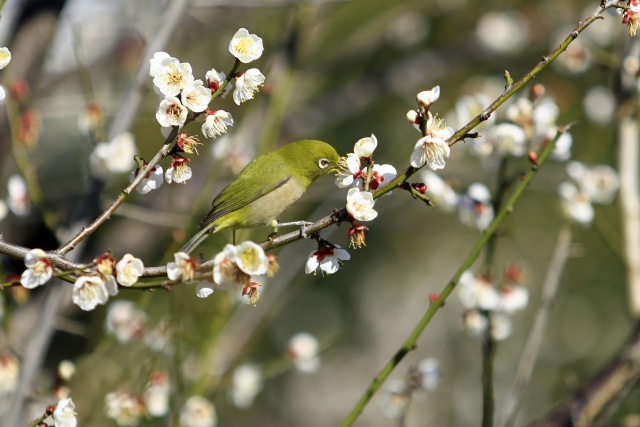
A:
266	187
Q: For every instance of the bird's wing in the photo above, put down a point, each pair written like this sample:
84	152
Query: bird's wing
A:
239	194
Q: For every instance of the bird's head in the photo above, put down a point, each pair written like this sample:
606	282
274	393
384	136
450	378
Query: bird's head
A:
311	159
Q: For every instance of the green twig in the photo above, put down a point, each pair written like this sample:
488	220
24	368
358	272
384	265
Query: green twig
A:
489	347
410	343
508	92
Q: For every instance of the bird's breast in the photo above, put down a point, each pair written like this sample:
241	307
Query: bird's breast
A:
270	206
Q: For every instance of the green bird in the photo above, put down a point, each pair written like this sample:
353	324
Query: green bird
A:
266	187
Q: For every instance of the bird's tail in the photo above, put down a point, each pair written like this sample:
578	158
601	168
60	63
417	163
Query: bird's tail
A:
196	240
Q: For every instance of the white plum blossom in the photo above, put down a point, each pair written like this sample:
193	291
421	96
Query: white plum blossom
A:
226	272
18	197
469	106
88	292
179	171
365	146
124	408
204	289
171	112
247	85
427	97
513	298
394	398
327	259
432	148
5	57
440	191
66	370
475	323
508	139
195	96
251	258
156	394
430	373
169	75
3	94
545	115
115	156
600	104
9	374
598	183
477	293
246	47
198	412
129	269
188	144
630	16
182	268
215	79
475	208
350	173
520	112
302	349
500	326
538	119
360	205
575	204
502	32
349	169
65	415
152	181
39	269
246	383
380	174
562	149
105	267
216	123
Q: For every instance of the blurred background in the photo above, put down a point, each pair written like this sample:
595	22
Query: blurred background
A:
336	71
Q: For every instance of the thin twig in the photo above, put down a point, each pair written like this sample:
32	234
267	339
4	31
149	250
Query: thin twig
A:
534	341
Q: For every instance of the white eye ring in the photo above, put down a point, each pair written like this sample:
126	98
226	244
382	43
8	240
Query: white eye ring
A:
323	163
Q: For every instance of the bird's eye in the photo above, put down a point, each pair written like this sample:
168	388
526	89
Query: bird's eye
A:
323	163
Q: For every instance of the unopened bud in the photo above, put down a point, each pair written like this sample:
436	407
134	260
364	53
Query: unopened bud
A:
420	187
536	91
433	298
427	97
533	158
18	89
413	117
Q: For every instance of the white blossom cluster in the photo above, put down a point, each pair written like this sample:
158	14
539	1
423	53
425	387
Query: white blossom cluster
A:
395	396
598	184
129	409
95	286
488	307
527	123
243	266
182	97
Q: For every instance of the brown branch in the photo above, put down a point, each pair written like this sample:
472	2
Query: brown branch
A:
603	392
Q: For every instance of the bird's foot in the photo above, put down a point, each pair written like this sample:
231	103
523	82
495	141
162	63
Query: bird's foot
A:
301	224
